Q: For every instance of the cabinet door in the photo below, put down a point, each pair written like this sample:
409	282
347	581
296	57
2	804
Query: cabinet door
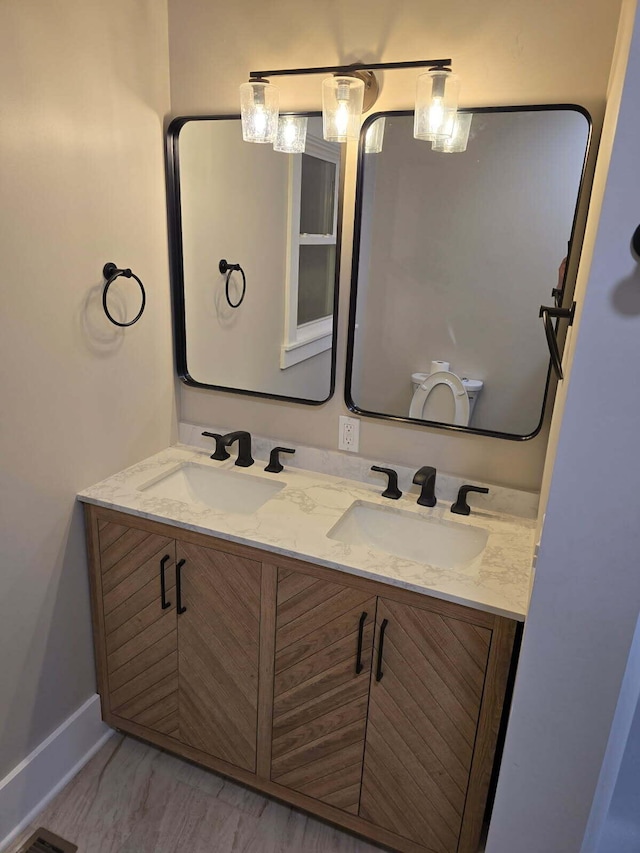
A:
426	691
320	700
140	634
218	641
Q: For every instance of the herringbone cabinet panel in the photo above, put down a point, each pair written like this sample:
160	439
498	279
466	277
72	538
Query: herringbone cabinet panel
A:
423	716
218	642
140	636
320	702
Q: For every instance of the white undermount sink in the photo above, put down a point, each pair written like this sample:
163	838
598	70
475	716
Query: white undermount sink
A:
224	490
435	542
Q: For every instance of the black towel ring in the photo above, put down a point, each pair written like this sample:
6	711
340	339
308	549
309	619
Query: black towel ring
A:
226	267
111	272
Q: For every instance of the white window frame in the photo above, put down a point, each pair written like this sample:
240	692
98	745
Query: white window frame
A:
308	339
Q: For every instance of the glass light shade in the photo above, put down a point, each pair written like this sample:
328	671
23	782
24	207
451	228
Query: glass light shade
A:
375	136
457	142
259	110
436	104
342	99
292	134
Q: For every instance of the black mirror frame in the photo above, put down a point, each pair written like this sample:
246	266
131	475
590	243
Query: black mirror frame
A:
174	221
573	250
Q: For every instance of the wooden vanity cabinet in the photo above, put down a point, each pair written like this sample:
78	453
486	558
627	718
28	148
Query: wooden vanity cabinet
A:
321	687
218	652
139	643
183	662
424	707
368	705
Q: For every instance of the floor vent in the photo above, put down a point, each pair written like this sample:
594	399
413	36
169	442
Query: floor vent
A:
44	841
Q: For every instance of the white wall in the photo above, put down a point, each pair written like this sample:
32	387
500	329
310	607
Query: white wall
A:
84	91
505	53
464	250
586	595
235	205
614	822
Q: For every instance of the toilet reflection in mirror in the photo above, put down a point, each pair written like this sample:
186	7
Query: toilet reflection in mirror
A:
444	397
455	250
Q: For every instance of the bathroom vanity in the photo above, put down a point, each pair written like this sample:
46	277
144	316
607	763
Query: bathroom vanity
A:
277	645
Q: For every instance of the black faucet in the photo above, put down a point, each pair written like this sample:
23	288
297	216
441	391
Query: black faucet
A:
426	477
245	459
220	453
461	507
275	465
392	491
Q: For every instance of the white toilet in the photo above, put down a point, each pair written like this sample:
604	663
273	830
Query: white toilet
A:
443	396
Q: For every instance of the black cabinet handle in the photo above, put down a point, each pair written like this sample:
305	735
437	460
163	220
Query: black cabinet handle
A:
359	664
179	607
163	588
383	628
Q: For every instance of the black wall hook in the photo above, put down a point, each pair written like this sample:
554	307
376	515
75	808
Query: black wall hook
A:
226	267
635	241
111	272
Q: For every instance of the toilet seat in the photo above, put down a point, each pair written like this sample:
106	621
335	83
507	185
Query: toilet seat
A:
460	397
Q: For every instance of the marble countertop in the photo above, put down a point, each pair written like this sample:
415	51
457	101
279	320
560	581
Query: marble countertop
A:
296	520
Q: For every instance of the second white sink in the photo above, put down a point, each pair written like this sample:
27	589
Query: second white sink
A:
435	542
218	489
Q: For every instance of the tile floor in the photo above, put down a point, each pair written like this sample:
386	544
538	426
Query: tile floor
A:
132	798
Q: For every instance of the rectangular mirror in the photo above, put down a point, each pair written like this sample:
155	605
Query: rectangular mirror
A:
455	250
254	260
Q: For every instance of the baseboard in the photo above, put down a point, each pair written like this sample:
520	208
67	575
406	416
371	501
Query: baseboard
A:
30	786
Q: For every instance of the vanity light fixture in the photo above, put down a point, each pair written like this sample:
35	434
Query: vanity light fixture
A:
342	102
436	104
292	134
259	109
345	94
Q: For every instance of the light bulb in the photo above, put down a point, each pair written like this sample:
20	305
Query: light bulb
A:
342	118
259	120
436	115
289	133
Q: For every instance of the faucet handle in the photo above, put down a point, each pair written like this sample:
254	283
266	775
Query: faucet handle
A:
220	452
392	491
461	507
275	465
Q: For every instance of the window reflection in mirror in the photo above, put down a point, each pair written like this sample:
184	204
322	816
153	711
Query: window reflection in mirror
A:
276	215
454	254
312	249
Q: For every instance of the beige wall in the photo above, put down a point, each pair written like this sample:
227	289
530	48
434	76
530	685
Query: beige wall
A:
505	54
84	91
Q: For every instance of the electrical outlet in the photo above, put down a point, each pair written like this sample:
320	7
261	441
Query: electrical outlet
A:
349	434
